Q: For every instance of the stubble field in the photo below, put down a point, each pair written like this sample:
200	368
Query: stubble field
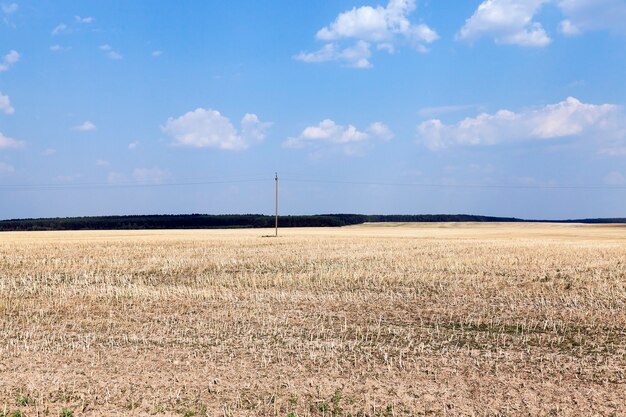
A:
371	320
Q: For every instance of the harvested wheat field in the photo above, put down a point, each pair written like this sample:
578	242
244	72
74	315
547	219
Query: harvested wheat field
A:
371	320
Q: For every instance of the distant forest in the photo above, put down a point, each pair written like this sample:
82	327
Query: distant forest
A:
231	221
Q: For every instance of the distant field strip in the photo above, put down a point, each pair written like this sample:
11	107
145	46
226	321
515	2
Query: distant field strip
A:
388	319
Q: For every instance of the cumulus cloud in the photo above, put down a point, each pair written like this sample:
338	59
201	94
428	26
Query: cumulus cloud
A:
86	126
9	60
385	26
59	48
512	21
84	19
378	130
379	24
346	138
62	27
207	128
568	118
356	56
110	53
507	22
590	15
114	55
133	145
567	28
157	53
5	105
9	143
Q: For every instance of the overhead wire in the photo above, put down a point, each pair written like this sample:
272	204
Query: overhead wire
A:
450	185
242	178
127	184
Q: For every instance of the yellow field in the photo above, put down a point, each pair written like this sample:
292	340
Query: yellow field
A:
371	320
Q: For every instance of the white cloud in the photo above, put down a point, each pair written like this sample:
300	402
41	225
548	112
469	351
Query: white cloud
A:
380	131
6	168
9	60
59	28
9	8
59	48
49	152
84	19
378	24
133	145
110	53
384	26
9	143
5	105
565	119
252	129
86	126
102	163
507	22
207	128
114	55
157	53
589	15
356	56
386	46
347	138
511	21
567	28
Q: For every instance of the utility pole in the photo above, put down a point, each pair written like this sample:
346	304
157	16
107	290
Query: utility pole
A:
276	224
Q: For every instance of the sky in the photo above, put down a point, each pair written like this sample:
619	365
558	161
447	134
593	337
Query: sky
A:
495	107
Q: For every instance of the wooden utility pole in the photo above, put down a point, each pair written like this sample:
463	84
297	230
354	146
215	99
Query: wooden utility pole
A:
276	224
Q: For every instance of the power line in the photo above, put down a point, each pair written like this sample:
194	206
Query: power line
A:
442	185
122	185
236	179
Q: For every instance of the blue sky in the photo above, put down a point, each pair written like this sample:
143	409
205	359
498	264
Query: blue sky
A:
496	107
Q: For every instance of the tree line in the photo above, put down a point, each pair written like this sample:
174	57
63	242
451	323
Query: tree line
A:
227	221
